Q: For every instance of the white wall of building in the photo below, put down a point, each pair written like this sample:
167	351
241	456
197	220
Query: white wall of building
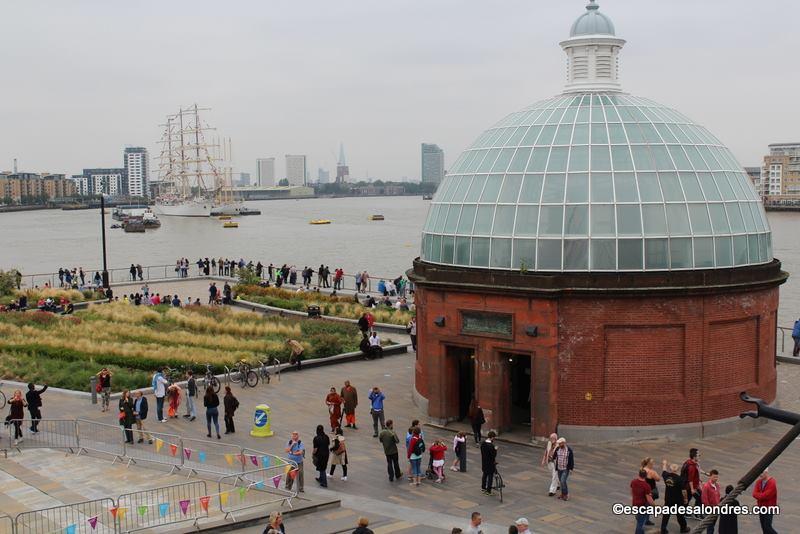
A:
296	169
265	172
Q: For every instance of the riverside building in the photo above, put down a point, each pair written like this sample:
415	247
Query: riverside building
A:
432	169
596	264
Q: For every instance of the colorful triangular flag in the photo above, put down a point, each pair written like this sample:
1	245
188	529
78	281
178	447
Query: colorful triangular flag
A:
223	498
173	449
92	522
229	459
187	453
259	485
184	505
276	480
163	508
142	510
70	529
204	503
201	457
265	461
114	511
159	444
288	468
293	474
254	459
242	492
121	513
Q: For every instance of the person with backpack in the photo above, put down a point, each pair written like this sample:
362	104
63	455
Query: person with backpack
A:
339	453
230	403
416	448
296	452
34	399
159	385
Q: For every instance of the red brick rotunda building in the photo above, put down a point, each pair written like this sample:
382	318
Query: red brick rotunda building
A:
596	264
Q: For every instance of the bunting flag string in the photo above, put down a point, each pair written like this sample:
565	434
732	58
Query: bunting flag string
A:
293	474
173	449
159	444
259	485
92	522
201	457
204	503
229	459
288	468
254	459
163	508
223	498
184	504
71	529
276	480
142	510
265	461
242	492
187	453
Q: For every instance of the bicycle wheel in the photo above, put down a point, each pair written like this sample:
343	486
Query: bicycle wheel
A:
252	379
2	400
236	377
214	383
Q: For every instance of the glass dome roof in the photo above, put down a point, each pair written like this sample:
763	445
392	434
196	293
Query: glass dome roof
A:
596	182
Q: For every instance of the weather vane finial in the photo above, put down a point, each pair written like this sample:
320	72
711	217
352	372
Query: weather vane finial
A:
592	5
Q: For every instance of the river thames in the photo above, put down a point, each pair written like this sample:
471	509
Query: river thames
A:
43	241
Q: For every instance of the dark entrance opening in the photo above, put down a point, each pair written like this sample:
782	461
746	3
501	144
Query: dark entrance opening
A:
465	375
519	377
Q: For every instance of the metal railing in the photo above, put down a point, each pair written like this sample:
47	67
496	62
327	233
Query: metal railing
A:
153	273
101	438
6	524
162	506
253	489
59	518
784	343
52	434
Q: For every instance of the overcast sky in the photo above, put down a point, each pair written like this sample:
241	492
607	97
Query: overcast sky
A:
82	79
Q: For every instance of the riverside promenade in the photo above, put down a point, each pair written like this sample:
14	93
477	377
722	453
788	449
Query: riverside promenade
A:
601	477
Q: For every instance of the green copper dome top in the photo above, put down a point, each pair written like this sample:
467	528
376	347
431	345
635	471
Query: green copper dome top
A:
592	23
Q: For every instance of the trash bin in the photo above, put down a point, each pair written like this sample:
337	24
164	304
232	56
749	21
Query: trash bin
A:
313	311
262	422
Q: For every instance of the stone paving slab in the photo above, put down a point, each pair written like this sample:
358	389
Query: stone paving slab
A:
601	478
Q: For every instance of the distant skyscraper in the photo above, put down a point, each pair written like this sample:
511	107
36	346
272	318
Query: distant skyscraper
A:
265	172
296	169
432	163
342	170
323	176
137	164
105	181
244	179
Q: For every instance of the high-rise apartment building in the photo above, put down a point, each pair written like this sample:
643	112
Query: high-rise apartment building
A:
323	176
296	169
432	164
265	172
244	179
136	172
780	173
102	181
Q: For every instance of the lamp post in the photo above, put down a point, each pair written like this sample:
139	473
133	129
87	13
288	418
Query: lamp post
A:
103	237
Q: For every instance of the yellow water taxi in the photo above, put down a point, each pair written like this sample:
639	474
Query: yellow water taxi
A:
376	217
230	224
320	221
224	217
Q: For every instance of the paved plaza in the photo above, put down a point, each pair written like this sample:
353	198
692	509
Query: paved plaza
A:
601	477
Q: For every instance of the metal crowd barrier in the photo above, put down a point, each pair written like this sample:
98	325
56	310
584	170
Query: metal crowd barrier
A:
101	438
255	488
156	447
6	524
59	518
52	434
218	458
162	506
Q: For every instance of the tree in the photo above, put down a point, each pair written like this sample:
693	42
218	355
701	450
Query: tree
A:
284	182
8	282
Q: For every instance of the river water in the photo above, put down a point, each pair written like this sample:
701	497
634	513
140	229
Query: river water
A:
41	241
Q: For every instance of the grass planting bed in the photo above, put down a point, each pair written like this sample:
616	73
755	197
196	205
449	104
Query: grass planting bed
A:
64	351
337	306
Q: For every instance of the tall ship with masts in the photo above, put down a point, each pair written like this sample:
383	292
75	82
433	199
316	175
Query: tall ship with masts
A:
194	173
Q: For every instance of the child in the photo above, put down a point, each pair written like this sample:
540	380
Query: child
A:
174	396
437	455
459	441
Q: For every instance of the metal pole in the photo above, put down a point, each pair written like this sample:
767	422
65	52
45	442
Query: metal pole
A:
103	237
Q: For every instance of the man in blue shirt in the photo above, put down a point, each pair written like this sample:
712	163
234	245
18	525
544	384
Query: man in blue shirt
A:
296	451
796	337
376	397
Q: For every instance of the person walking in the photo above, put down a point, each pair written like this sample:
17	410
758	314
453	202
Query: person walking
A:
296	452
765	492
296	355
796	338
710	494
416	448
334	402
411	328
488	462
376	398
641	496
34	400
389	440
126	417
104	383
674	494
230	404
652	478
349	395
16	414
460	452
547	460
320	455
565	463
690	473
339	453
140	408
476	420
159	385
191	394
728	523
211	404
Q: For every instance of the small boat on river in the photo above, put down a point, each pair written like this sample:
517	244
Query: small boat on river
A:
320	221
376	217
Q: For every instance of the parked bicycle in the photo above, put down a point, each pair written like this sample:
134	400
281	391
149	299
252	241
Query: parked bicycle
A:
243	375
498	483
211	380
2	398
264	371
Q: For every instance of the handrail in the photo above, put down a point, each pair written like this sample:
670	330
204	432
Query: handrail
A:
6	524
784	332
145	508
258	487
58	518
